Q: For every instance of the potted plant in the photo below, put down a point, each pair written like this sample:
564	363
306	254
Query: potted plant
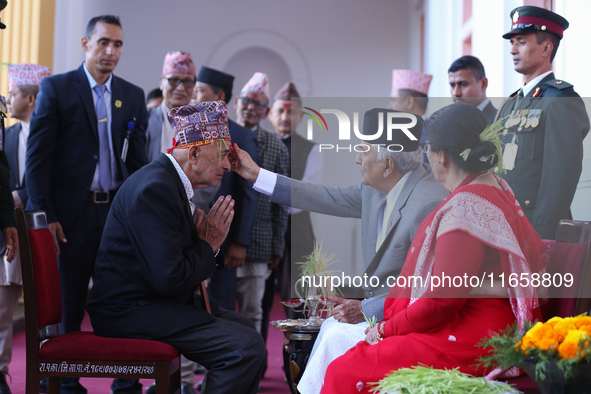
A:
314	285
555	354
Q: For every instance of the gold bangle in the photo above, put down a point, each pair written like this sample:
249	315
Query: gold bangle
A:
381	329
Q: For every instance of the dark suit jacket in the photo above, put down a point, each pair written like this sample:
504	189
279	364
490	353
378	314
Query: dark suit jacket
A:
490	112
241	190
549	156
12	154
150	261
7	217
63	145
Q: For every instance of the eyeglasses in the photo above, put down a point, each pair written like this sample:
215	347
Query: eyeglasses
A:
424	146
246	101
188	83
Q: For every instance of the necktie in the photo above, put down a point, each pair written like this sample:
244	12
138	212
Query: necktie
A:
103	131
519	97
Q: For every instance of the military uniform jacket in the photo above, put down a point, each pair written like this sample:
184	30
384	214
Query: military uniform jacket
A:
548	128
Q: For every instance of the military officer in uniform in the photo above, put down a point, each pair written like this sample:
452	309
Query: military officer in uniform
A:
545	123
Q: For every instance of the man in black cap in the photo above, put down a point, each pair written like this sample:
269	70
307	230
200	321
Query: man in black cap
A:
545	123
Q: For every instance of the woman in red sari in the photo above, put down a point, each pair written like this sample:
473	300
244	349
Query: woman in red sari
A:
479	230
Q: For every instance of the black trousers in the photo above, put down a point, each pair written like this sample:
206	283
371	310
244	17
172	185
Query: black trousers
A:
76	261
231	350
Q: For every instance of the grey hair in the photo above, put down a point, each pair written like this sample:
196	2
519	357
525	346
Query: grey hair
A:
405	161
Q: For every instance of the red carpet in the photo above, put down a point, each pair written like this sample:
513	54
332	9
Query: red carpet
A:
273	383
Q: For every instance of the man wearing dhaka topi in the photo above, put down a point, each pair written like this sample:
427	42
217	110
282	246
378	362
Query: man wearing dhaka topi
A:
157	249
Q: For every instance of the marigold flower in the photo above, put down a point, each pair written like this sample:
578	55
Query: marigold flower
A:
542	336
582	320
563	327
548	344
554	320
568	350
572	344
586	328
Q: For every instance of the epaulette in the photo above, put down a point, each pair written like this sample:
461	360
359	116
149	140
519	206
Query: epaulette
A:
558	84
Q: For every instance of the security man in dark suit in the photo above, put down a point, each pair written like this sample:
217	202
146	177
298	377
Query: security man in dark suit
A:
87	136
545	123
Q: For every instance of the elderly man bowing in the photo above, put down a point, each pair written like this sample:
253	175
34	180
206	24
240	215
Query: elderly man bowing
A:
397	193
154	255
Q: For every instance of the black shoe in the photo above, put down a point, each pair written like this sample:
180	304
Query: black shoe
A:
43	384
4	389
71	385
151	389
188	389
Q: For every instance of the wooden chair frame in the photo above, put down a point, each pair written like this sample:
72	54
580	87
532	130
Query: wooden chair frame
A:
165	373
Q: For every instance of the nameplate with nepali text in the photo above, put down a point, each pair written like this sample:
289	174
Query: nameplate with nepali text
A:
97	369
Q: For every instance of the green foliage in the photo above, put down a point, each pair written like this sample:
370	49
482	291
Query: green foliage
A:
427	380
504	353
316	264
492	133
372	322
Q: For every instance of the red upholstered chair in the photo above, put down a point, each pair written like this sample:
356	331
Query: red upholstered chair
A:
77	354
571	254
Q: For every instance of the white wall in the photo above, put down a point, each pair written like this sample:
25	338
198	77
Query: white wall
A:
347	48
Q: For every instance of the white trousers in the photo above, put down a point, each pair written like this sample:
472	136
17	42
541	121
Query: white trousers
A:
9	296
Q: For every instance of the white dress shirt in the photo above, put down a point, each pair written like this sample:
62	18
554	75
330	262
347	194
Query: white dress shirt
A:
23	136
186	182
384	215
483	104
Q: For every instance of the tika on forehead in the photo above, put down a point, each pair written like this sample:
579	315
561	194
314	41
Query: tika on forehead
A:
199	124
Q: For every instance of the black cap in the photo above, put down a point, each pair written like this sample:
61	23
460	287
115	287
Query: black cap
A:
371	125
218	79
530	19
3	4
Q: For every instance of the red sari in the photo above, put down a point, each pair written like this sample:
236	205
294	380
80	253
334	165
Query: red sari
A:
477	230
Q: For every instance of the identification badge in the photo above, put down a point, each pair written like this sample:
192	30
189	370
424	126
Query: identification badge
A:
124	150
509	156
